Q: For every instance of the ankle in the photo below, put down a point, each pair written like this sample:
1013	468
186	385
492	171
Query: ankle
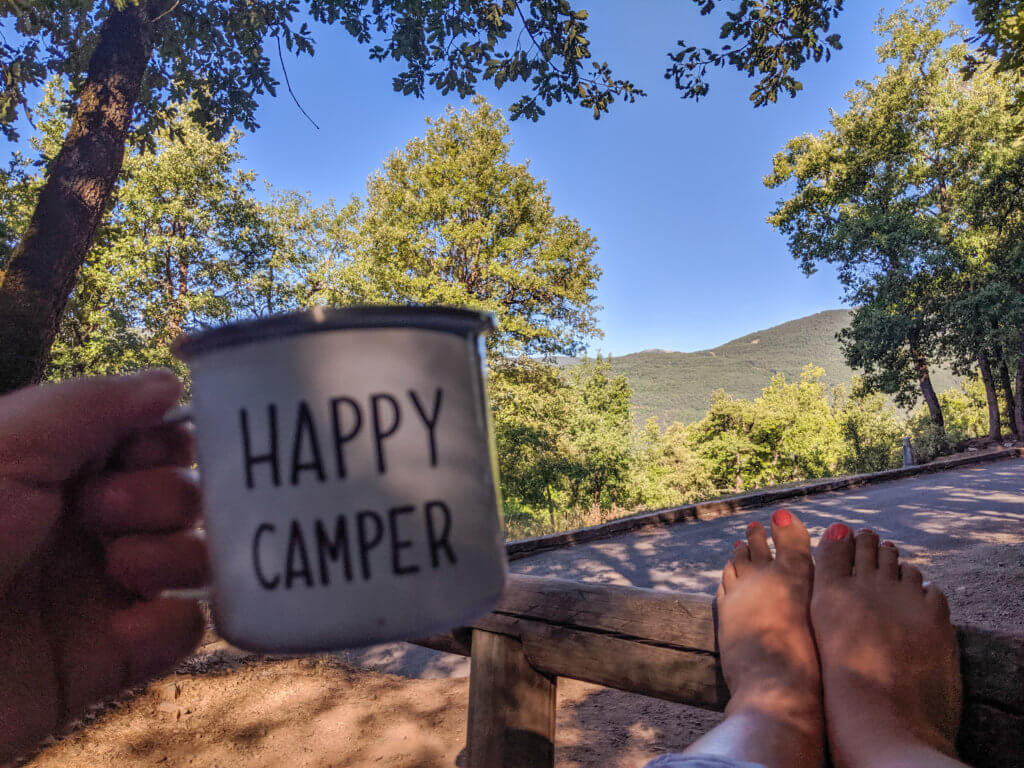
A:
798	708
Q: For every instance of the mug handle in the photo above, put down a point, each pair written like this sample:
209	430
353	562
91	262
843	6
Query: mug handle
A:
182	414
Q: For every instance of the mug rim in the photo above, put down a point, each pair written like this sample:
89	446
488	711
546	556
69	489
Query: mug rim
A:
457	320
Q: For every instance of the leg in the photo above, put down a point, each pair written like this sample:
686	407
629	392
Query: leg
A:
774	716
889	659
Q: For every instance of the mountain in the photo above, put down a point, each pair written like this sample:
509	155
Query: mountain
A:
677	386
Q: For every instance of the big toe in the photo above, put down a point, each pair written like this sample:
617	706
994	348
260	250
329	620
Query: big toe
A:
792	542
834	557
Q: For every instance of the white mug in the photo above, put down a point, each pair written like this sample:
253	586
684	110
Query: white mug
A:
348	475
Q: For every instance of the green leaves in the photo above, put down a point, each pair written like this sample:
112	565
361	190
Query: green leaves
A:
213	54
450	220
775	38
883	196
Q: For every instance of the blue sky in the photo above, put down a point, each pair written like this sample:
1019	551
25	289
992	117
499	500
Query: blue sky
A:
671	189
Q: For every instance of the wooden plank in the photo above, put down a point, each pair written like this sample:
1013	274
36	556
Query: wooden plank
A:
511	707
661	644
991	737
687	677
677	619
457	642
992	665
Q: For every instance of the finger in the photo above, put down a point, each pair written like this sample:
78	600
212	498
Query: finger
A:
147	564
167	444
155	635
52	433
149	501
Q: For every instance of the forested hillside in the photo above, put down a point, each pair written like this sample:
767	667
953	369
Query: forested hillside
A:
677	386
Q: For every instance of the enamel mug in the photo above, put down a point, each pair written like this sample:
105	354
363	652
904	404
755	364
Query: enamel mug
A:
348	475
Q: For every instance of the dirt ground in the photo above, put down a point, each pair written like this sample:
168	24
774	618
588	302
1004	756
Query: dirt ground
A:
225	709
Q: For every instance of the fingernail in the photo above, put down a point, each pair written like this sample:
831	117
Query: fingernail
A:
837	532
889	544
782	518
752	525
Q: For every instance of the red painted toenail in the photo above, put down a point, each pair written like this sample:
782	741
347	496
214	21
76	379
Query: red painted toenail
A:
837	532
782	518
889	544
737	545
865	530
752	525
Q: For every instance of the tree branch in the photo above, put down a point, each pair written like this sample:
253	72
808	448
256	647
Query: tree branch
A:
287	82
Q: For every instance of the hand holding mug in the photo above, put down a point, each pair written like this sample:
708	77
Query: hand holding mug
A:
95	515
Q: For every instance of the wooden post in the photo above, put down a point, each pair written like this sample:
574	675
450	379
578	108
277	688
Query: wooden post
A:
511	707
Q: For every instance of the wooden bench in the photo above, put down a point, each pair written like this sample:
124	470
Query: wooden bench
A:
661	644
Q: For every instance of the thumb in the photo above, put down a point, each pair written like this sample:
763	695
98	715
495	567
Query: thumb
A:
55	432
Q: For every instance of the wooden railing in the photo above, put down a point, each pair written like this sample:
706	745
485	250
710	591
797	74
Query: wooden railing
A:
661	644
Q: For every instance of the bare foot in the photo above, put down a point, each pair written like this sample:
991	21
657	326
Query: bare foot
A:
774	716
889	658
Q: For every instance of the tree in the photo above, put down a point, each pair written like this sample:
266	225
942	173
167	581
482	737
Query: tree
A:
993	222
127	61
773	40
877	197
449	220
529	400
669	472
869	429
794	424
184	244
723	439
599	436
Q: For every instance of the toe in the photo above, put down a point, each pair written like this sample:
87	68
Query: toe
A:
792	542
740	556
834	557
757	540
865	552
728	579
889	561
910	576
935	598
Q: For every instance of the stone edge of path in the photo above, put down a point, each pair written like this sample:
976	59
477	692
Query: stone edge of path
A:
708	510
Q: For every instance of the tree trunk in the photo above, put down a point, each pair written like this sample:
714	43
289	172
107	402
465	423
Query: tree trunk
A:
1018	397
44	266
928	391
995	431
1008	397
